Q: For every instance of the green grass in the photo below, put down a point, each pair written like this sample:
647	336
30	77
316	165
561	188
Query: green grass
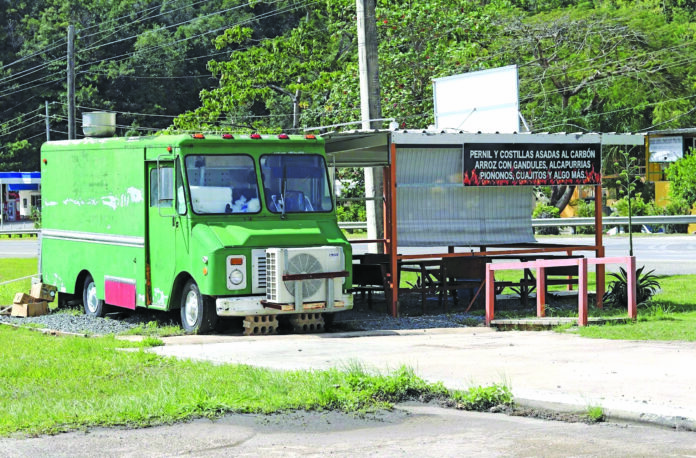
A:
154	329
671	315
16	237
52	384
483	398
595	414
12	268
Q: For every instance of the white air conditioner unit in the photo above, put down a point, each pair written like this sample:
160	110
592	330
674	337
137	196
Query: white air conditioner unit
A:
303	260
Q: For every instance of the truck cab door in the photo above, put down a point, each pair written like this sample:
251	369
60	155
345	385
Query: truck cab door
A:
163	227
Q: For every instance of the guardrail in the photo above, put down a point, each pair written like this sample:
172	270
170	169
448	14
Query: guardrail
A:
20	232
536	222
560	222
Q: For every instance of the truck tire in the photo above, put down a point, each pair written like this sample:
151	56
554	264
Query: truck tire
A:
198	314
92	304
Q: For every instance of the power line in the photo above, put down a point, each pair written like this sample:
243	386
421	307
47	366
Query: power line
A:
32	87
28	71
619	110
122	57
175	25
20	103
17	89
60	43
19	118
147	10
4	134
152	77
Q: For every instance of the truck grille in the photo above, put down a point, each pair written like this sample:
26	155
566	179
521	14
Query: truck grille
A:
259	271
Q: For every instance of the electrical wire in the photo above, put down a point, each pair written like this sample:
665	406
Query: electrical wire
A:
175	25
123	57
5	134
17	90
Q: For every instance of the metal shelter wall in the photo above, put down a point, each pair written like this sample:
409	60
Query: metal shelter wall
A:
434	208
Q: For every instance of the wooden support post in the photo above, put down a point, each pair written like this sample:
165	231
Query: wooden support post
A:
393	246
599	246
541	292
631	285
582	291
490	295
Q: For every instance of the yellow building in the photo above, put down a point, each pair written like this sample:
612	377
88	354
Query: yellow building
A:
662	148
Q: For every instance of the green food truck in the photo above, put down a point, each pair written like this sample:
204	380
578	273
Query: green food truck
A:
215	225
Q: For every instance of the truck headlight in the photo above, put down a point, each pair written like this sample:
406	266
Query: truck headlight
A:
236	277
236	272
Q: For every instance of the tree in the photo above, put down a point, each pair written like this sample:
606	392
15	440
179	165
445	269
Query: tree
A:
682	177
595	69
144	59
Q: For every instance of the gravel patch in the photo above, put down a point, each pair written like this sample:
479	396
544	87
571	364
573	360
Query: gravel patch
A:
70	322
360	318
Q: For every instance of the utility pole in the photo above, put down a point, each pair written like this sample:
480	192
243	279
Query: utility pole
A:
370	108
71	82
48	124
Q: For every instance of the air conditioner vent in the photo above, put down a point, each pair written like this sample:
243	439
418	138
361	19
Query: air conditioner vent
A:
281	261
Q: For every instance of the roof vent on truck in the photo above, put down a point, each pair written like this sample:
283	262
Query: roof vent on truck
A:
99	124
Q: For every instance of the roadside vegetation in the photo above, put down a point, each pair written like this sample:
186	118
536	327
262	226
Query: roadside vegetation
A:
11	269
53	384
595	414
669	315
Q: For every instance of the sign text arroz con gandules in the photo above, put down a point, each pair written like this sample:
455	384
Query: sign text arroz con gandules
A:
531	164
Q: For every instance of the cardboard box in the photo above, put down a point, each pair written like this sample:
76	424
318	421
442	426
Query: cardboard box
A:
43	292
33	309
21	298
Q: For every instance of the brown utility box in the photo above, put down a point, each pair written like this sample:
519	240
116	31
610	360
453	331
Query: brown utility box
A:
33	309
43	292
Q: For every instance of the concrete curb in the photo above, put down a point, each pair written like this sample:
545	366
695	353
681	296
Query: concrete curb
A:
678	423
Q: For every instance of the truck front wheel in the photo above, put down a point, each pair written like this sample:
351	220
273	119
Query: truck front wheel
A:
197	311
92	304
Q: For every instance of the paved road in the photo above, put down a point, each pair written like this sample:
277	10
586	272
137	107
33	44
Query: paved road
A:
667	254
19	248
412	430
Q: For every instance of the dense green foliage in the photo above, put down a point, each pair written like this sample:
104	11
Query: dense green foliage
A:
617	292
145	59
542	210
682	175
597	65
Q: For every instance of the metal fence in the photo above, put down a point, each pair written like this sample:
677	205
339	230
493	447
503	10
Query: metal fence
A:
28	229
563	222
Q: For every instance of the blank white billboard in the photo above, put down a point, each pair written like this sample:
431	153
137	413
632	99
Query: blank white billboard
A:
666	149
484	101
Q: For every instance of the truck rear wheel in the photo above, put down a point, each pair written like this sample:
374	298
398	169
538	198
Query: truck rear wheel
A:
92	304
198	314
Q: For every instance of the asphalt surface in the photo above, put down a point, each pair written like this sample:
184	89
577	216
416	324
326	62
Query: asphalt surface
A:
667	254
411	430
652	382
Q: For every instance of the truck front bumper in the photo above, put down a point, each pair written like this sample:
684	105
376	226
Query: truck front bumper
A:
257	305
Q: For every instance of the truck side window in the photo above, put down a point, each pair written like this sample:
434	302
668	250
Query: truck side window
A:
180	198
162	187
